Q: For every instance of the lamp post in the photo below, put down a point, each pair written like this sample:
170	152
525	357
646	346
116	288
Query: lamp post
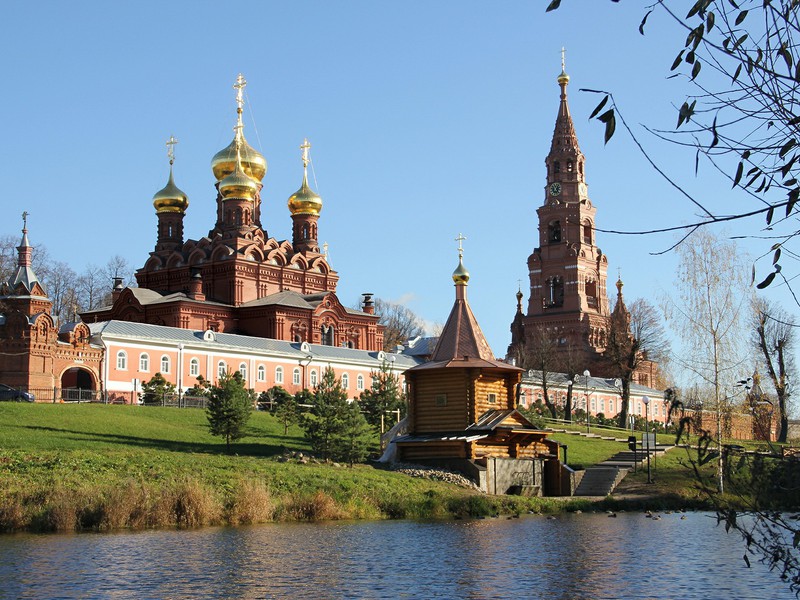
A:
586	375
568	405
646	401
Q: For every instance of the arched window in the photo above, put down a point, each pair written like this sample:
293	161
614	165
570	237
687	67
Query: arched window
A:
243	371
345	381
278	374
194	367
313	378
122	360
569	166
165	364
327	335
222	369
296	376
360	382
554	232
587	232
557	167
144	362
555	292
261	373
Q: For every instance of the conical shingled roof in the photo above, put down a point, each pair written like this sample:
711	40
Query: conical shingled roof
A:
564	137
462	336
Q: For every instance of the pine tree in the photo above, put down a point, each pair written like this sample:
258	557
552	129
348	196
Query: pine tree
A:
154	391
287	412
352	443
384	396
229	408
324	422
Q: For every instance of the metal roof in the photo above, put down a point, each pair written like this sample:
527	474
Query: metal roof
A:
231	342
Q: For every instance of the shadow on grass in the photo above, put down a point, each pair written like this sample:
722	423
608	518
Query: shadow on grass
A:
272	448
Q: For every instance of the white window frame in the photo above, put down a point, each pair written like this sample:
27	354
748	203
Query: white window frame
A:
261	373
122	360
243	371
194	367
222	369
296	376
165	364
360	382
345	381
313	378
144	362
278	374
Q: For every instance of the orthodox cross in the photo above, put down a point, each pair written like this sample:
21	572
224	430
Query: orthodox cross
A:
563	61
239	86
171	148
25	219
305	147
460	239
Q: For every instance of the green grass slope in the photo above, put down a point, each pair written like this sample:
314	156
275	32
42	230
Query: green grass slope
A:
96	467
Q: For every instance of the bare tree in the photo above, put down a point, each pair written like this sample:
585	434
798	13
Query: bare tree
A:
708	316
400	321
117	266
636	335
540	356
774	340
93	287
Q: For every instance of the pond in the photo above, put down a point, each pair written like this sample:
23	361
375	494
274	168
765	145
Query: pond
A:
569	556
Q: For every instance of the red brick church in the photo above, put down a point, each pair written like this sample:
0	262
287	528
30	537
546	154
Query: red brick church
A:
238	279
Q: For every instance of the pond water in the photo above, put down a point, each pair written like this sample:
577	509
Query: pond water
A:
572	556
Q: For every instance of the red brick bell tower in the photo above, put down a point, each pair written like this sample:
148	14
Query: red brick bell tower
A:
567	270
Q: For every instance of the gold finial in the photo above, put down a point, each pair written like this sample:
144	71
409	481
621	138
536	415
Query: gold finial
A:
305	147
171	149
563	79
460	275
25	214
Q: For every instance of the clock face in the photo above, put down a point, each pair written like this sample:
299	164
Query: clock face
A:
555	189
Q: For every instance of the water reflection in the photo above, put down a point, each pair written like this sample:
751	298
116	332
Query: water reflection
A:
573	556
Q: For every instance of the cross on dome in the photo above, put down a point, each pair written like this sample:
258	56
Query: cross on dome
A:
171	148
460	239
305	147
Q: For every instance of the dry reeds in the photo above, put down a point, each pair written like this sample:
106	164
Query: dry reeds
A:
251	503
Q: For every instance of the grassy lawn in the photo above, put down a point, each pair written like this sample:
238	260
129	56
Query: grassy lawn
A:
76	467
583	452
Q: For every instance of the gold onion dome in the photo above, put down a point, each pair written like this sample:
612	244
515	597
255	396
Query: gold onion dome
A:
170	198
305	201
253	163
460	275
238	185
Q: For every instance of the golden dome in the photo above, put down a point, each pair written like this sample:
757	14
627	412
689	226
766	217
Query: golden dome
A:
460	275
170	199
563	78
253	163
305	201
238	185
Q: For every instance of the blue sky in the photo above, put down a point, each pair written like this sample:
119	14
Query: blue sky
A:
427	119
